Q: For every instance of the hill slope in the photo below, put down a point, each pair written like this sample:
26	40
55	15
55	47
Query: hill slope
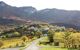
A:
47	15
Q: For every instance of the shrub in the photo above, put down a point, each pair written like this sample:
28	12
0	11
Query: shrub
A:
1	44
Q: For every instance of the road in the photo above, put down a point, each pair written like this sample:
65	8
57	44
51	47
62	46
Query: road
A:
32	46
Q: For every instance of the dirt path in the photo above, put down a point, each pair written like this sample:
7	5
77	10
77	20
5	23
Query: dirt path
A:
33	45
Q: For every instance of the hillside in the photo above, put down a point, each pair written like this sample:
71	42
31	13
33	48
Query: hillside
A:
24	14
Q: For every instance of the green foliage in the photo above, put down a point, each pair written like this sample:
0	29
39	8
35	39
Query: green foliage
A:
66	38
50	36
38	33
55	48
24	38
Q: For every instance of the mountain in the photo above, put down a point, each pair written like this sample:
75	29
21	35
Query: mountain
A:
71	17
7	10
14	14
58	16
11	14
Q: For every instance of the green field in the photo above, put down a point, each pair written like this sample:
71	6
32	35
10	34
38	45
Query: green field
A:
55	48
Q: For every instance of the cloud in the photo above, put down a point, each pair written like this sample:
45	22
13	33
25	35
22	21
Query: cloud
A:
41	4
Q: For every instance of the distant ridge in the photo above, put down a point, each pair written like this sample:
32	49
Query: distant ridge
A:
46	15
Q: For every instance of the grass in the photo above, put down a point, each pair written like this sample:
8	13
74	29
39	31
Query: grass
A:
22	48
11	43
55	48
48	47
14	42
27	44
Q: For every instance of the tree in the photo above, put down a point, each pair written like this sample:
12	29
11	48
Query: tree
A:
38	33
16	33
67	39
75	41
51	36
24	38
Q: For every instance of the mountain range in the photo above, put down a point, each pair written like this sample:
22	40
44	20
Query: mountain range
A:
10	14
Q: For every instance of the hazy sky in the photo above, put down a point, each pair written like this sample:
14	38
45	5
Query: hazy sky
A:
42	4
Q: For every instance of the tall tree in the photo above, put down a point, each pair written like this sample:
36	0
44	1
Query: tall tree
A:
66	39
51	36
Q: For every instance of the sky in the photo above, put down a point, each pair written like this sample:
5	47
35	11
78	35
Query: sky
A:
42	4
